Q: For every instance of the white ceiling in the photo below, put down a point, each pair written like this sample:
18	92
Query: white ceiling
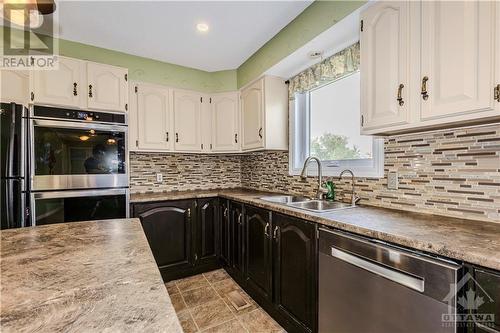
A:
166	30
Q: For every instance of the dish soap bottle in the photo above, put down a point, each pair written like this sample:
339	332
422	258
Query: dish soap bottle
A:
330	186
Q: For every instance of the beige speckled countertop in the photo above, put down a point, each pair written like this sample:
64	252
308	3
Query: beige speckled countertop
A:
95	276
470	241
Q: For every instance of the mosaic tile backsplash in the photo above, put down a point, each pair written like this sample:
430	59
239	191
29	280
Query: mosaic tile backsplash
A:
447	172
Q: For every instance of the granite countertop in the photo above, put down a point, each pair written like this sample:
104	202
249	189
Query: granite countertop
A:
82	277
470	241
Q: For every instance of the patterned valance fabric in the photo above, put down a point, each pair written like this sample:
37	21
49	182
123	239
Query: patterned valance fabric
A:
340	64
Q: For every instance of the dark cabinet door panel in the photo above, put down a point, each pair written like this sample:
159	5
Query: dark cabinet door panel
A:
488	287
206	230
225	233
237	245
168	232
258	250
295	269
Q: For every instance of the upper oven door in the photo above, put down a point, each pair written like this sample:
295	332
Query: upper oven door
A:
76	155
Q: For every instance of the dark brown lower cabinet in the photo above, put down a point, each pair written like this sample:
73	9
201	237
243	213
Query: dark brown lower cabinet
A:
224	233
487	288
182	235
237	267
206	231
258	252
294	275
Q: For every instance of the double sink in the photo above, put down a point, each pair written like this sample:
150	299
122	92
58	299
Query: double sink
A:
304	203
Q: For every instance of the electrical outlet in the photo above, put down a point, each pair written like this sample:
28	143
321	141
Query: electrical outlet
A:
159	177
392	180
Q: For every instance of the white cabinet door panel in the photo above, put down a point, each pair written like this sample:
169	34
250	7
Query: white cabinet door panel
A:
14	86
187	112
206	124
107	87
384	65
252	114
154	117
63	86
457	57
225	121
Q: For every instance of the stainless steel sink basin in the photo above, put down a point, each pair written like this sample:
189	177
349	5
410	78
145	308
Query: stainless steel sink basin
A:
319	206
284	199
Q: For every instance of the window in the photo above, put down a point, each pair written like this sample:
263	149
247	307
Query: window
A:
325	123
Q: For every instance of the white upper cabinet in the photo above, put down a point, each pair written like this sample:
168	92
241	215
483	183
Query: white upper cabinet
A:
457	57
264	115
154	117
187	117
107	87
206	124
225	122
64	86
252	116
446	55
384	64
14	86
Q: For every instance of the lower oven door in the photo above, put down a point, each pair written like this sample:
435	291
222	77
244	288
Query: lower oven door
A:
73	206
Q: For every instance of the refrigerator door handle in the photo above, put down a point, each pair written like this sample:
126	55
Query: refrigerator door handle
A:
10	144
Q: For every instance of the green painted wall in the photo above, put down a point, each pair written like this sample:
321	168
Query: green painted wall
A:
315	19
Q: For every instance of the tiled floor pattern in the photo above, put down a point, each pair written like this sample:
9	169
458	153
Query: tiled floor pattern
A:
202	305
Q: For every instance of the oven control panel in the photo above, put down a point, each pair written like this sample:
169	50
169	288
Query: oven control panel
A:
78	115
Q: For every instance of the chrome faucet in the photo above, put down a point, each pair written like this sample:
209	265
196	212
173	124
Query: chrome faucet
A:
303	175
354	197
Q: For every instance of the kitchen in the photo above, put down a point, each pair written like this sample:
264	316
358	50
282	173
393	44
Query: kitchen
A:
334	168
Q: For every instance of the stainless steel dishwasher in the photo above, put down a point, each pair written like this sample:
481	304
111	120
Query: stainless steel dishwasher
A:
371	287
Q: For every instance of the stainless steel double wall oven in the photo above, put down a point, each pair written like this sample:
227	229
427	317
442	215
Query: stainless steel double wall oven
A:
77	165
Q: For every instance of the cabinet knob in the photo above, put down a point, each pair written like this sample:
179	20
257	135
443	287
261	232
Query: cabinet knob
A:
400	98
424	93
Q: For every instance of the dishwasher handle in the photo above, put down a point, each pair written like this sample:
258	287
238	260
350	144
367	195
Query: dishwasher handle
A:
407	280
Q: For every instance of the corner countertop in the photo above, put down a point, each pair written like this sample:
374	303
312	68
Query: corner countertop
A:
475	242
82	276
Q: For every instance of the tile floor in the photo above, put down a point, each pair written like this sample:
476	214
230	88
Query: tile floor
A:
202	305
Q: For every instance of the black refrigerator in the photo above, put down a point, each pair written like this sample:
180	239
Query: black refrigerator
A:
14	191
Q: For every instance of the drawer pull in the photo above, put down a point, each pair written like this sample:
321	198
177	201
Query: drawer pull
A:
424	93
400	98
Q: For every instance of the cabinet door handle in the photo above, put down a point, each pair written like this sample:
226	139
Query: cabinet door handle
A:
400	98
90	90
424	93
239	219
225	212
266	230
260	132
167	136
176	137
275	232
236	138
75	91
497	93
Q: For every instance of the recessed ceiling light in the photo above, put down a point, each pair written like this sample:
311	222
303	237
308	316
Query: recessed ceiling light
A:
202	27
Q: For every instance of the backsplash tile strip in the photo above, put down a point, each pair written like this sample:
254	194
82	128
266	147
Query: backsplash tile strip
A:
448	172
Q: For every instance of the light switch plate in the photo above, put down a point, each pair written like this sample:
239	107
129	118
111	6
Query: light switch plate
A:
392	180
159	177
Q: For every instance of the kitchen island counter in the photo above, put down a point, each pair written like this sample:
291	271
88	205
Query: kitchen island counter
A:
82	277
